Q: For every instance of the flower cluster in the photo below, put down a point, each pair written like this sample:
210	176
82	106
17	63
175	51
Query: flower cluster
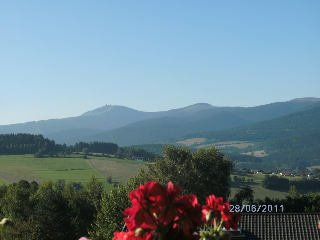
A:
159	213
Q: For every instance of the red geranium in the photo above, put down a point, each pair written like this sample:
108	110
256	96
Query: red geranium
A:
147	200
232	222
217	210
188	214
130	236
159	213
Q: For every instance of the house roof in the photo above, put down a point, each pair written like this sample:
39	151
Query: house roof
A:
284	226
286	172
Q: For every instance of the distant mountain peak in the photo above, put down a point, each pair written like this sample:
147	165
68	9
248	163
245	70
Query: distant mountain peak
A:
199	105
305	99
194	108
103	110
202	104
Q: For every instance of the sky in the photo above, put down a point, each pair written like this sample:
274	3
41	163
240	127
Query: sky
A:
61	59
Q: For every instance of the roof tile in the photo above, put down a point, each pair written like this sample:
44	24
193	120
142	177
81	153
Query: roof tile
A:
284	226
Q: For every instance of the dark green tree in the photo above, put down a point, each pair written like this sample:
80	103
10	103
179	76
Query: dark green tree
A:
293	192
235	179
52	216
82	206
15	203
244	194
110	218
202	173
95	190
85	151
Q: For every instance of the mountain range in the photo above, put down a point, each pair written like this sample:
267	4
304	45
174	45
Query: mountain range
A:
126	126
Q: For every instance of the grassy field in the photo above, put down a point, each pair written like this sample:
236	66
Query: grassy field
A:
191	141
313	167
76	169
118	170
2	181
259	191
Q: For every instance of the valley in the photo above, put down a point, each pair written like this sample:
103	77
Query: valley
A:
72	168
273	137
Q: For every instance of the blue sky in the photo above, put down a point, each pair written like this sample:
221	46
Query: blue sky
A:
62	58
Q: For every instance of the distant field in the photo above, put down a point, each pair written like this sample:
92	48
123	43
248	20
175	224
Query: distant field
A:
260	153
191	141
16	167
76	169
229	144
119	171
259	192
313	167
236	144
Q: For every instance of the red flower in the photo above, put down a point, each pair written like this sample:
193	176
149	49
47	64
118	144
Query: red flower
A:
157	211
147	200
131	236
173	191
215	207
218	209
188	214
123	236
232	222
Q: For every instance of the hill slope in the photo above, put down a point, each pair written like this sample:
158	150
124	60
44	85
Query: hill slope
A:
175	123
163	129
298	123
105	118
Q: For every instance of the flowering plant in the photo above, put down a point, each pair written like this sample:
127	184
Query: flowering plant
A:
159	213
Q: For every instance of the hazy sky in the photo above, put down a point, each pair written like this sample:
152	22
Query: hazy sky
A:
62	58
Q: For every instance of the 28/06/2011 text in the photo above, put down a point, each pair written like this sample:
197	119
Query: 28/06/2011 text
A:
256	209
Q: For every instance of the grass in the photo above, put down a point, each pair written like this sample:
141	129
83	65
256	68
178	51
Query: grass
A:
258	190
117	170
76	169
313	167
2	181
192	141
228	144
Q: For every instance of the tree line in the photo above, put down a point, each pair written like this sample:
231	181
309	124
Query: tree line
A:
292	203
23	143
279	183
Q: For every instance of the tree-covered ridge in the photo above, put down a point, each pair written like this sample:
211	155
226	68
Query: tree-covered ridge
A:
300	150
97	147
287	126
153	148
23	143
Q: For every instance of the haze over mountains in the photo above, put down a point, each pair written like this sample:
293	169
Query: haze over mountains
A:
126	126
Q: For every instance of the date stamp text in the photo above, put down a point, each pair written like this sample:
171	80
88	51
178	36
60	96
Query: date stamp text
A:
256	209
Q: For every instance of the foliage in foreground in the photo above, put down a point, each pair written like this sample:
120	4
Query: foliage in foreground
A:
201	173
48	211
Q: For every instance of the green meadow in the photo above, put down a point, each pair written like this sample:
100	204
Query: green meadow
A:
258	190
76	169
71	169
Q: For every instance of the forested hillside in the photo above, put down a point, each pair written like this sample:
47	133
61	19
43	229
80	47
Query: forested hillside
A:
290	141
125	126
40	146
302	150
298	123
